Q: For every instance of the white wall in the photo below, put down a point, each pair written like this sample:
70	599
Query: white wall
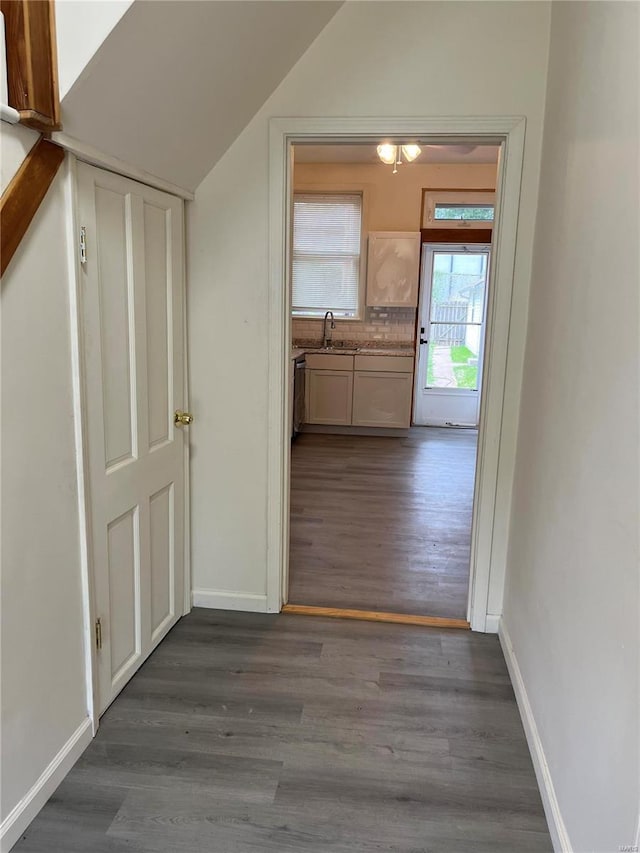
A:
15	143
173	103
372	59
81	27
572	596
43	681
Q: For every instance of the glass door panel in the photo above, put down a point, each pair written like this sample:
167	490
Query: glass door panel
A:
453	296
456	316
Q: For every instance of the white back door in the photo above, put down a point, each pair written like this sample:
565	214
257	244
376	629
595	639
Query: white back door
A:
132	294
452	315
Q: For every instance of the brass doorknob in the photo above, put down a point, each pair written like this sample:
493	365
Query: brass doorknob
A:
182	418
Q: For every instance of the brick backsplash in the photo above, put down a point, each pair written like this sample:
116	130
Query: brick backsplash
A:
397	325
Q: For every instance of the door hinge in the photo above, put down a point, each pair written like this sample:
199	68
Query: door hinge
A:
98	634
83	245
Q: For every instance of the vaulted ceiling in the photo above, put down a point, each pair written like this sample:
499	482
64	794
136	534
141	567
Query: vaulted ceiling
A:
176	81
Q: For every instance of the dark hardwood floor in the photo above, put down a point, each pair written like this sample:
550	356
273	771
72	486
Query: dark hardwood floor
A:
246	733
383	523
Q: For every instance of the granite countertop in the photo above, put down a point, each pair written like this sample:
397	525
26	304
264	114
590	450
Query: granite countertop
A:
296	353
359	350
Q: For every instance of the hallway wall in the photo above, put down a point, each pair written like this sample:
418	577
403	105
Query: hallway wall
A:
572	594
43	672
371	59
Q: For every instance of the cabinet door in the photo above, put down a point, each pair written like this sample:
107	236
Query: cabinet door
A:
382	399
329	396
392	268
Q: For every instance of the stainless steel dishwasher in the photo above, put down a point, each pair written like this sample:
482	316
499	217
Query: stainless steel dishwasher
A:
299	366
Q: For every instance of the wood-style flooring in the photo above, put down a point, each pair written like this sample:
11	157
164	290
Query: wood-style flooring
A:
247	733
383	523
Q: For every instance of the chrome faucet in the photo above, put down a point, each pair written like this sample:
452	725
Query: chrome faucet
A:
326	340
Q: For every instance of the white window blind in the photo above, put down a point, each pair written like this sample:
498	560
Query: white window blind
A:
326	254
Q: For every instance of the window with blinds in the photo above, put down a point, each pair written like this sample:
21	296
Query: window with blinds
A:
326	254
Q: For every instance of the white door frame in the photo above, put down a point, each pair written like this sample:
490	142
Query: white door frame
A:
494	467
424	295
81	432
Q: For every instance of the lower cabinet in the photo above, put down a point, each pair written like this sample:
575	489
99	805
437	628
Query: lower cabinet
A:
382	399
364	391
329	397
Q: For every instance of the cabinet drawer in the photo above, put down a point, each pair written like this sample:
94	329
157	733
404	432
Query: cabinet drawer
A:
328	361
382	399
386	363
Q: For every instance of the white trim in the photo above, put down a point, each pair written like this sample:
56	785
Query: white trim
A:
222	599
493	623
80	428
19	818
557	828
95	157
187	445
495	464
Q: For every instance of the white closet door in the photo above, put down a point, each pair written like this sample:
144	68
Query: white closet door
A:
132	303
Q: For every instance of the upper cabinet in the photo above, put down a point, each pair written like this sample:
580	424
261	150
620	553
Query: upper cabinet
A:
392	269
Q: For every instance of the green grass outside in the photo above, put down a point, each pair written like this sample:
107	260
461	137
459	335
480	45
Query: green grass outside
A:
466	375
461	355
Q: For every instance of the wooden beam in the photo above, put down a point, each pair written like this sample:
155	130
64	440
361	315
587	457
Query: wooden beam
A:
22	197
456	235
376	616
32	63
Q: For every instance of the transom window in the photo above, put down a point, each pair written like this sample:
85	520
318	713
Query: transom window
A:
446	211
327	241
458	209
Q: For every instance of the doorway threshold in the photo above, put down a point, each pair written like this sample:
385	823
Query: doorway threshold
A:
376	616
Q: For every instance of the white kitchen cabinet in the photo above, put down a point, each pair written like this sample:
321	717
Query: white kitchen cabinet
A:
392	269
329	397
381	399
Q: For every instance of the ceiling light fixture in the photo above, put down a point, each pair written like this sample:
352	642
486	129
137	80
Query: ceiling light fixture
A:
391	155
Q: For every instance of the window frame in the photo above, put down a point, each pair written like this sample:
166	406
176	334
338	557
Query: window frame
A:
333	190
430	198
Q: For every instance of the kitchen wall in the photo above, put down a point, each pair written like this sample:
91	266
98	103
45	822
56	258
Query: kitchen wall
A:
393	203
393	326
572	596
371	59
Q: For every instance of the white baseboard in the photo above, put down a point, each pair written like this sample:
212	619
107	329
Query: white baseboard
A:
218	599
25	811
492	625
557	828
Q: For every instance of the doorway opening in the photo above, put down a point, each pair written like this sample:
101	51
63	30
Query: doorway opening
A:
387	312
500	393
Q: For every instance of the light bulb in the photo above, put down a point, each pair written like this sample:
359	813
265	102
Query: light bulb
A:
387	153
411	152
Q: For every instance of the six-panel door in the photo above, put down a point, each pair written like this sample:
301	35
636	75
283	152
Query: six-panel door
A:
132	295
